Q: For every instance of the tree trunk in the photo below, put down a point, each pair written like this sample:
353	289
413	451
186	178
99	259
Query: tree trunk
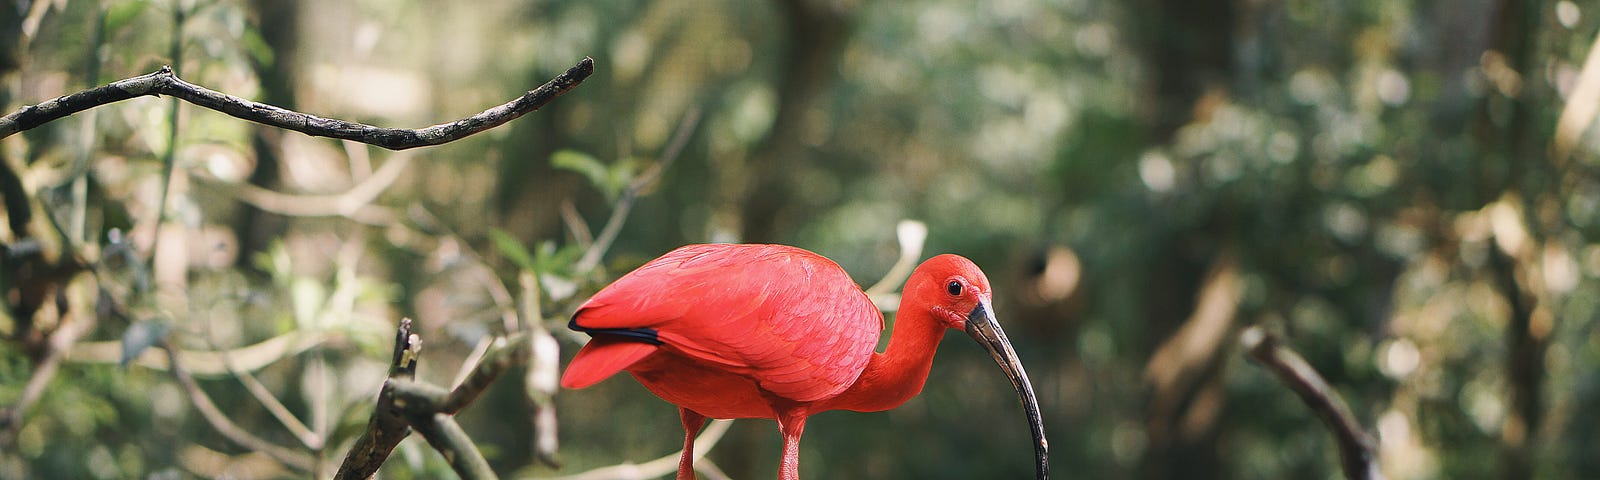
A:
1188	48
815	33
278	22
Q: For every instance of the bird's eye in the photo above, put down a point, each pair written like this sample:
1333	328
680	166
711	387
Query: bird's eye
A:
954	288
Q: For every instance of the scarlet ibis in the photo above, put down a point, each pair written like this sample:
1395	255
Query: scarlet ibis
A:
771	331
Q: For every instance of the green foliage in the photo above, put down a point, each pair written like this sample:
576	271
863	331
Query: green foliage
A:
556	259
512	249
123	13
609	179
1363	165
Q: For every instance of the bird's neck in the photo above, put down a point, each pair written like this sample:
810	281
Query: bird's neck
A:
894	376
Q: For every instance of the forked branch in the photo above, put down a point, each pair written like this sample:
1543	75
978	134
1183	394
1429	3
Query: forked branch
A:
386	428
405	404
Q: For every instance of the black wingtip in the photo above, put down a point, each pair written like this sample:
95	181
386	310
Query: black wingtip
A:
641	334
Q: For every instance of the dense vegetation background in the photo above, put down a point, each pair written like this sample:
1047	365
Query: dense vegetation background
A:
1407	192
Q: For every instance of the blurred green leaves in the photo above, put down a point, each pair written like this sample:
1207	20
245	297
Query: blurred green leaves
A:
513	249
124	12
609	179
1348	159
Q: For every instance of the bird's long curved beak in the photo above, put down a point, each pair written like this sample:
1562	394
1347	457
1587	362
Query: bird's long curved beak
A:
982	326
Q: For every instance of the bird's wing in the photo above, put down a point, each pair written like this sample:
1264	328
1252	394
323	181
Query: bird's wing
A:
603	357
790	319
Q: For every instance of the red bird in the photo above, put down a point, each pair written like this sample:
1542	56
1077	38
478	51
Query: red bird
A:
771	331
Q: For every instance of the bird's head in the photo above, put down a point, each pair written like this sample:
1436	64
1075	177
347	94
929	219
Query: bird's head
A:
953	288
957	294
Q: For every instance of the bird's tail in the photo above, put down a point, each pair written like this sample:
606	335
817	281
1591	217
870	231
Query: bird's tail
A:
604	356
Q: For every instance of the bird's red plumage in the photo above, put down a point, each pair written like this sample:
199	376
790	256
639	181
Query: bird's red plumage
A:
603	357
748	322
769	331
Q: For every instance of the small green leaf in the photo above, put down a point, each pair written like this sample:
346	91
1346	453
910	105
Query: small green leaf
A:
123	12
621	175
584	164
276	262
257	47
609	179
511	248
552	259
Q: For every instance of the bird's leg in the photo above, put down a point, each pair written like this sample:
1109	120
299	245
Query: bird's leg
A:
692	421
791	423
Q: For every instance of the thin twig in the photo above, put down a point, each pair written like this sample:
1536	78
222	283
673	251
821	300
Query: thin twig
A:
355	203
503	301
317	370
613	227
165	82
512	352
360	161
660	466
79	219
473	358
581	236
220	422
264	396
205	363
1356	447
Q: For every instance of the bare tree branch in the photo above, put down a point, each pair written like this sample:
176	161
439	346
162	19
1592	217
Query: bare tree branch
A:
1356	447
405	404
165	82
